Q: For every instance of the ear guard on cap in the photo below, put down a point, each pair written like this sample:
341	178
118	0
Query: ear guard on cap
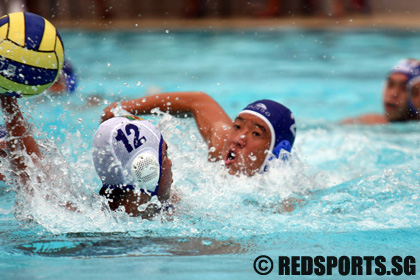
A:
283	145
145	170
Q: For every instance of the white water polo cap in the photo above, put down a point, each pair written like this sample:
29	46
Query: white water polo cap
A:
127	153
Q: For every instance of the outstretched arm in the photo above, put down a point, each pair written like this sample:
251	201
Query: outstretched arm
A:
208	114
368	119
19	139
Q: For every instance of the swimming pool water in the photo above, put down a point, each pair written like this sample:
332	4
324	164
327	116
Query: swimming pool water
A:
359	184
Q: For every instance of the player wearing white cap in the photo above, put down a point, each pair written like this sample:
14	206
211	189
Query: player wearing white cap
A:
130	157
129	153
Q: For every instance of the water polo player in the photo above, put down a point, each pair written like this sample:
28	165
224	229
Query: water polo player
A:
129	154
66	81
33	59
130	157
246	145
397	103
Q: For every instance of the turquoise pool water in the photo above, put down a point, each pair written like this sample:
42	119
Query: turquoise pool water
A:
360	185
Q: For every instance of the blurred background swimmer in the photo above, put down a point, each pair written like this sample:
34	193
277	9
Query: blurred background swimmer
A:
66	81
413	88
264	130
397	102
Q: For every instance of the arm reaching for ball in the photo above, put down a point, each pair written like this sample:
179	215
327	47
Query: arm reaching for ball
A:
208	114
18	139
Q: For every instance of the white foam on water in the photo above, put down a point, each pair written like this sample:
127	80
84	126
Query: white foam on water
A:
347	194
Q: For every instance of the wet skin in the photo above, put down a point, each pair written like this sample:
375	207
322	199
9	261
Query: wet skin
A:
396	97
246	145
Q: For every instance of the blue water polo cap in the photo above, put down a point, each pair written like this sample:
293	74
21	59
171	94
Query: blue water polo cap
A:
411	68
281	122
413	76
405	66
71	81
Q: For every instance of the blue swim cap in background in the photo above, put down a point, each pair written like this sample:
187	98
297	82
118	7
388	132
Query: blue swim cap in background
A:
282	126
71	81
405	66
411	68
413	76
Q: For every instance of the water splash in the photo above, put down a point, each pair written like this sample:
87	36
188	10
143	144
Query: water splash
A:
214	204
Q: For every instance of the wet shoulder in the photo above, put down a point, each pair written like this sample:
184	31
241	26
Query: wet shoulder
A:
368	119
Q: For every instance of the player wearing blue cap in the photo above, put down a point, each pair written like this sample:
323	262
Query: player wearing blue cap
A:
66	81
246	145
413	88
397	103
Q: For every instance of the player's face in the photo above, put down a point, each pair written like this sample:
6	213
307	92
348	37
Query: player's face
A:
396	97
247	144
415	95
